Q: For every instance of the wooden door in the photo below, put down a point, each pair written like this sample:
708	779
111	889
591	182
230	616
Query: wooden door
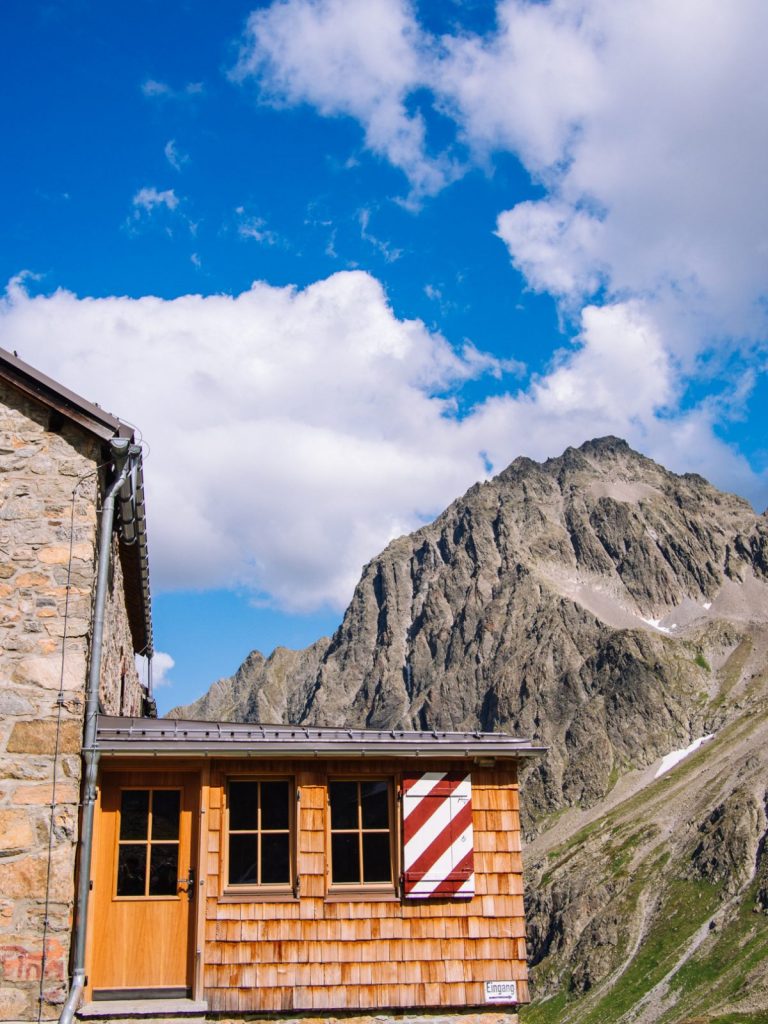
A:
144	885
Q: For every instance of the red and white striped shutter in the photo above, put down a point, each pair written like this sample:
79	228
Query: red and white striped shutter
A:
438	857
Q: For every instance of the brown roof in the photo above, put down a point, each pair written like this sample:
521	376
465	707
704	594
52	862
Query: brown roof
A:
48	391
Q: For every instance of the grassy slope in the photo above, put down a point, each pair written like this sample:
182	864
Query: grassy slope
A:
662	944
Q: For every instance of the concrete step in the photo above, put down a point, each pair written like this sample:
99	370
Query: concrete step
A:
143	1011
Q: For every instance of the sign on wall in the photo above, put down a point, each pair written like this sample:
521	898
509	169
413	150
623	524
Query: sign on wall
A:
501	991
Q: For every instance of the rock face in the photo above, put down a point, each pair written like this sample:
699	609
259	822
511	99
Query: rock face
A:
617	612
581	602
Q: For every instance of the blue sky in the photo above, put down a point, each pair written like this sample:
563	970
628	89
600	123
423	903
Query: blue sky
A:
338	259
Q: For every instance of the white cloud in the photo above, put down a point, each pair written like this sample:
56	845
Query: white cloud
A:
347	58
162	665
643	121
154	89
149	199
383	247
654	170
554	246
174	156
253	227
293	433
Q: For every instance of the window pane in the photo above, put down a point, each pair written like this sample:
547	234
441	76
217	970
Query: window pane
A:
376	861
132	869
242	860
275	860
243	805
274	805
163	869
346	856
374	796
134	814
343	804
165	813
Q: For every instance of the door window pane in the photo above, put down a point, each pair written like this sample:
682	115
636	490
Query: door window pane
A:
165	813
163	869
132	869
148	847
134	814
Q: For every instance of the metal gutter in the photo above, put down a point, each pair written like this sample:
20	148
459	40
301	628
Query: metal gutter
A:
132	524
123	455
174	737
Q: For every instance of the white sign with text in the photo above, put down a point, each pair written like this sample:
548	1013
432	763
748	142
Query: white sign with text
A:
501	991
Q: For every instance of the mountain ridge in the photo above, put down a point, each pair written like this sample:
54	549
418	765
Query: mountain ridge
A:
616	612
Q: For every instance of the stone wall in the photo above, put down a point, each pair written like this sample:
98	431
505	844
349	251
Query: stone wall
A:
46	543
120	689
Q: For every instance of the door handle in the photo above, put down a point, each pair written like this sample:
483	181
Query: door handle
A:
189	882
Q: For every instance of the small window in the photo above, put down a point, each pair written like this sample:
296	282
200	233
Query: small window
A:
259	833
361	834
148	844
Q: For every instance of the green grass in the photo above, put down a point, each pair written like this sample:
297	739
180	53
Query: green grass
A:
719	972
732	670
702	662
547	1012
620	854
686	906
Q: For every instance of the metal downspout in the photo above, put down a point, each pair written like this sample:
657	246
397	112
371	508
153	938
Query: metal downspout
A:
123	454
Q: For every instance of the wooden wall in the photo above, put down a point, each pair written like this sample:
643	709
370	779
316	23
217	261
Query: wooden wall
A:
315	954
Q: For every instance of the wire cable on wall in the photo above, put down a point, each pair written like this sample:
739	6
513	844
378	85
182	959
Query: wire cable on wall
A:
60	701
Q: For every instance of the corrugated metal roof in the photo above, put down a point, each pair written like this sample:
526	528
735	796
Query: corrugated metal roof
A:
170	736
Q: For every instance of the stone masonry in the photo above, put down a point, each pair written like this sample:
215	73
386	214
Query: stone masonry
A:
47	554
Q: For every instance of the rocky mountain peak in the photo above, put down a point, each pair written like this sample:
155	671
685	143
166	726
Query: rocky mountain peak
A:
617	612
567	600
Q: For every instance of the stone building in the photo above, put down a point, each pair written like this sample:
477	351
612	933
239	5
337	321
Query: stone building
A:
62	516
205	866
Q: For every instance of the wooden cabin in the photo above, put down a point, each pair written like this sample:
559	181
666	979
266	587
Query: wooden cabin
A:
281	868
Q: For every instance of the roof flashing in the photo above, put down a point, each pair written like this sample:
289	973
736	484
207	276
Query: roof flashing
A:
175	737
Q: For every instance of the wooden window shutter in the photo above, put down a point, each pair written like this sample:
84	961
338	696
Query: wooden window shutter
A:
438	858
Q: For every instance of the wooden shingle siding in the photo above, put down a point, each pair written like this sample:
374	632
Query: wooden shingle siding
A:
316	954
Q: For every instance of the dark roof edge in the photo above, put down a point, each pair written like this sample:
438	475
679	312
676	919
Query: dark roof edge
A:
105	427
36	384
174	737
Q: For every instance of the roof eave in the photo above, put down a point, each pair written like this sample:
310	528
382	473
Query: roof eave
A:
295	751
38	385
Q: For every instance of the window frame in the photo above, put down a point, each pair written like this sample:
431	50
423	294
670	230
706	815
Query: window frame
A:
256	891
148	842
337	891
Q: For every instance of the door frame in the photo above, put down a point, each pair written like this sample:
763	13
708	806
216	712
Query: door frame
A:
194	776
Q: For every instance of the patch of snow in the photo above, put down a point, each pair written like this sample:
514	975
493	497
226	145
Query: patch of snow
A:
677	755
707	605
656	623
